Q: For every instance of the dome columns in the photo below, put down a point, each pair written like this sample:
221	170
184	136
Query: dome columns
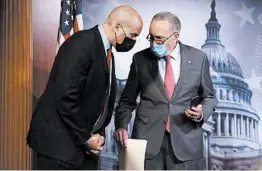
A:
235	125
233	95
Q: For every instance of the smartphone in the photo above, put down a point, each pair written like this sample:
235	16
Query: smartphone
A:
195	101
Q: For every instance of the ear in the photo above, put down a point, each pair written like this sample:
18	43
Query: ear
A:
175	38
176	35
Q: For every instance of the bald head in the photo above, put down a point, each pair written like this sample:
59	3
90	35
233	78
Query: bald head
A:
123	21
126	16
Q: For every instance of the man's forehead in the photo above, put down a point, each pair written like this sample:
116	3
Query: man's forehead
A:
135	27
135	31
160	27
160	23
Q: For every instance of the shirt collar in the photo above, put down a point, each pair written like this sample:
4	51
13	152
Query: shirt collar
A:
105	39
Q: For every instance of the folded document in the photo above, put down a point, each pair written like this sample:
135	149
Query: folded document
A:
133	157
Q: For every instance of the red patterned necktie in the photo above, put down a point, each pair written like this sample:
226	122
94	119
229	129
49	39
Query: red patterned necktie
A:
109	57
169	84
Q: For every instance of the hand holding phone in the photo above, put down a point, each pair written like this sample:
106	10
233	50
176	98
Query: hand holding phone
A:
195	101
195	112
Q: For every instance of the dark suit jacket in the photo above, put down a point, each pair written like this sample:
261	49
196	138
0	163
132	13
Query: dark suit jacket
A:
73	99
154	106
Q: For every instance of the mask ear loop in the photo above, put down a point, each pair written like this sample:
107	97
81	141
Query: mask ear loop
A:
116	38
123	30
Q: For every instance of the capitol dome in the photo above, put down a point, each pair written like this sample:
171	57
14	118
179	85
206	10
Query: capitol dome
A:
222	61
236	122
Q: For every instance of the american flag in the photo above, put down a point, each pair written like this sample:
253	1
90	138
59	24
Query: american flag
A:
71	20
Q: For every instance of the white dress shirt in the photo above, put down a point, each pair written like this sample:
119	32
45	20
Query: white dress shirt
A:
175	62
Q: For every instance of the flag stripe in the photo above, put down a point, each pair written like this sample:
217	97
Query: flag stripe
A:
66	36
79	19
76	28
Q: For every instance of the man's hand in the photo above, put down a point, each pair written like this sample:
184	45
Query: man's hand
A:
95	143
195	113
122	136
101	139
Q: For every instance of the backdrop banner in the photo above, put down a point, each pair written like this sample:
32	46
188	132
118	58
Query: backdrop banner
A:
230	33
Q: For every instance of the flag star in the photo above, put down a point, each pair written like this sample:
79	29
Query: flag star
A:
68	2
66	22
67	12
245	14
254	81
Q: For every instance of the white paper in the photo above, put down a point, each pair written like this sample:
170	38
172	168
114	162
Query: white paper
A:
133	157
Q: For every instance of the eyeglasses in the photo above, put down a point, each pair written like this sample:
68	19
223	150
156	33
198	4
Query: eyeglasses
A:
157	39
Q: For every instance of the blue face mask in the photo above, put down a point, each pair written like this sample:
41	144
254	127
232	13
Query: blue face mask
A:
159	50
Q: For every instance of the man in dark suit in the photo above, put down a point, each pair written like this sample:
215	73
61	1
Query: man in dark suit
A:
167	76
67	127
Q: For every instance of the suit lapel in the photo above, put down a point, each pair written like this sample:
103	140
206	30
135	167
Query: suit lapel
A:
184	69
100	50
154	71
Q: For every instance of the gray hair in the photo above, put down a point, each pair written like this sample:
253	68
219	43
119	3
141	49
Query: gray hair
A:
172	18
